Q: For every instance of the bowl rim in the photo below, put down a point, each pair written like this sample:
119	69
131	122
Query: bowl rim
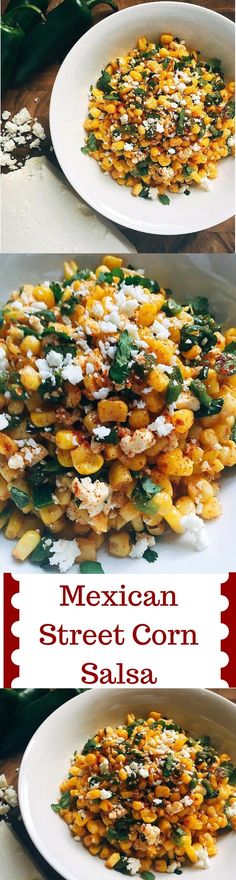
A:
110	212
86	697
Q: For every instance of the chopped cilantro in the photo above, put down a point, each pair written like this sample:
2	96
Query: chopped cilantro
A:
120	368
150	555
211	793
142	281
164	199
91	567
230	109
144	493
104	82
63	804
79	275
170	307
20	498
168	766
57	290
182	121
90	746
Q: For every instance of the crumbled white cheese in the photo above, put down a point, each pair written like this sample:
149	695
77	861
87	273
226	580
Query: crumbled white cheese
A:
187	801
93	496
158	329
143	542
231	810
3	359
10	796
38	130
128	148
124	119
203	858
133	444
133	866
72	372
101	432
15	462
4	421
195	525
101	394
151	833
54	359
105	795
104	765
63	553
172	868
161	427
205	183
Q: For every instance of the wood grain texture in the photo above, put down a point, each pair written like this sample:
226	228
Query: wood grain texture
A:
36	97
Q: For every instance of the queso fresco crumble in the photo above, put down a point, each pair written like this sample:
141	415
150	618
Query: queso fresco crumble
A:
146	796
160	118
117	416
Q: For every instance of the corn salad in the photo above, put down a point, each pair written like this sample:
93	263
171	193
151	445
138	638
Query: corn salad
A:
146	796
117	416
160	118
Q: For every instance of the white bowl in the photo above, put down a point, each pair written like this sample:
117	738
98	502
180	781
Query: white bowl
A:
203	29
47	759
210	275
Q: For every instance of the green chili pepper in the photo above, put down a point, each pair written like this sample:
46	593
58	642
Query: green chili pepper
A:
199	389
18	19
29	716
25	13
12	39
52	40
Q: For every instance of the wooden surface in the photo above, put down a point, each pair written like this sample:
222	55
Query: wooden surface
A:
36	97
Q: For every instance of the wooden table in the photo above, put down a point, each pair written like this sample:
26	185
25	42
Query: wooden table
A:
36	97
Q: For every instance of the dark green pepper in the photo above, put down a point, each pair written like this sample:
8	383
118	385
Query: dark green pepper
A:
18	19
199	389
25	14
29	716
12	41
49	41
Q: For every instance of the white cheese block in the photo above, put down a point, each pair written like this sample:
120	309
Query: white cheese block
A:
15	863
42	214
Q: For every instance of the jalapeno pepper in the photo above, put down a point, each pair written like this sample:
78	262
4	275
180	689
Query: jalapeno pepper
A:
52	40
12	40
25	14
29	710
15	23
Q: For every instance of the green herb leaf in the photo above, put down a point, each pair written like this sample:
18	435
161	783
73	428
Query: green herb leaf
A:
168	766
92	143
142	281
182	121
20	498
120	368
42	496
147	875
199	305
90	746
175	386
104	82
143	493
57	290
79	275
171	307
91	568
164	199
150	555
230	109
199	389
4	379
211	793
233	434
214	64
177	834
63	804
